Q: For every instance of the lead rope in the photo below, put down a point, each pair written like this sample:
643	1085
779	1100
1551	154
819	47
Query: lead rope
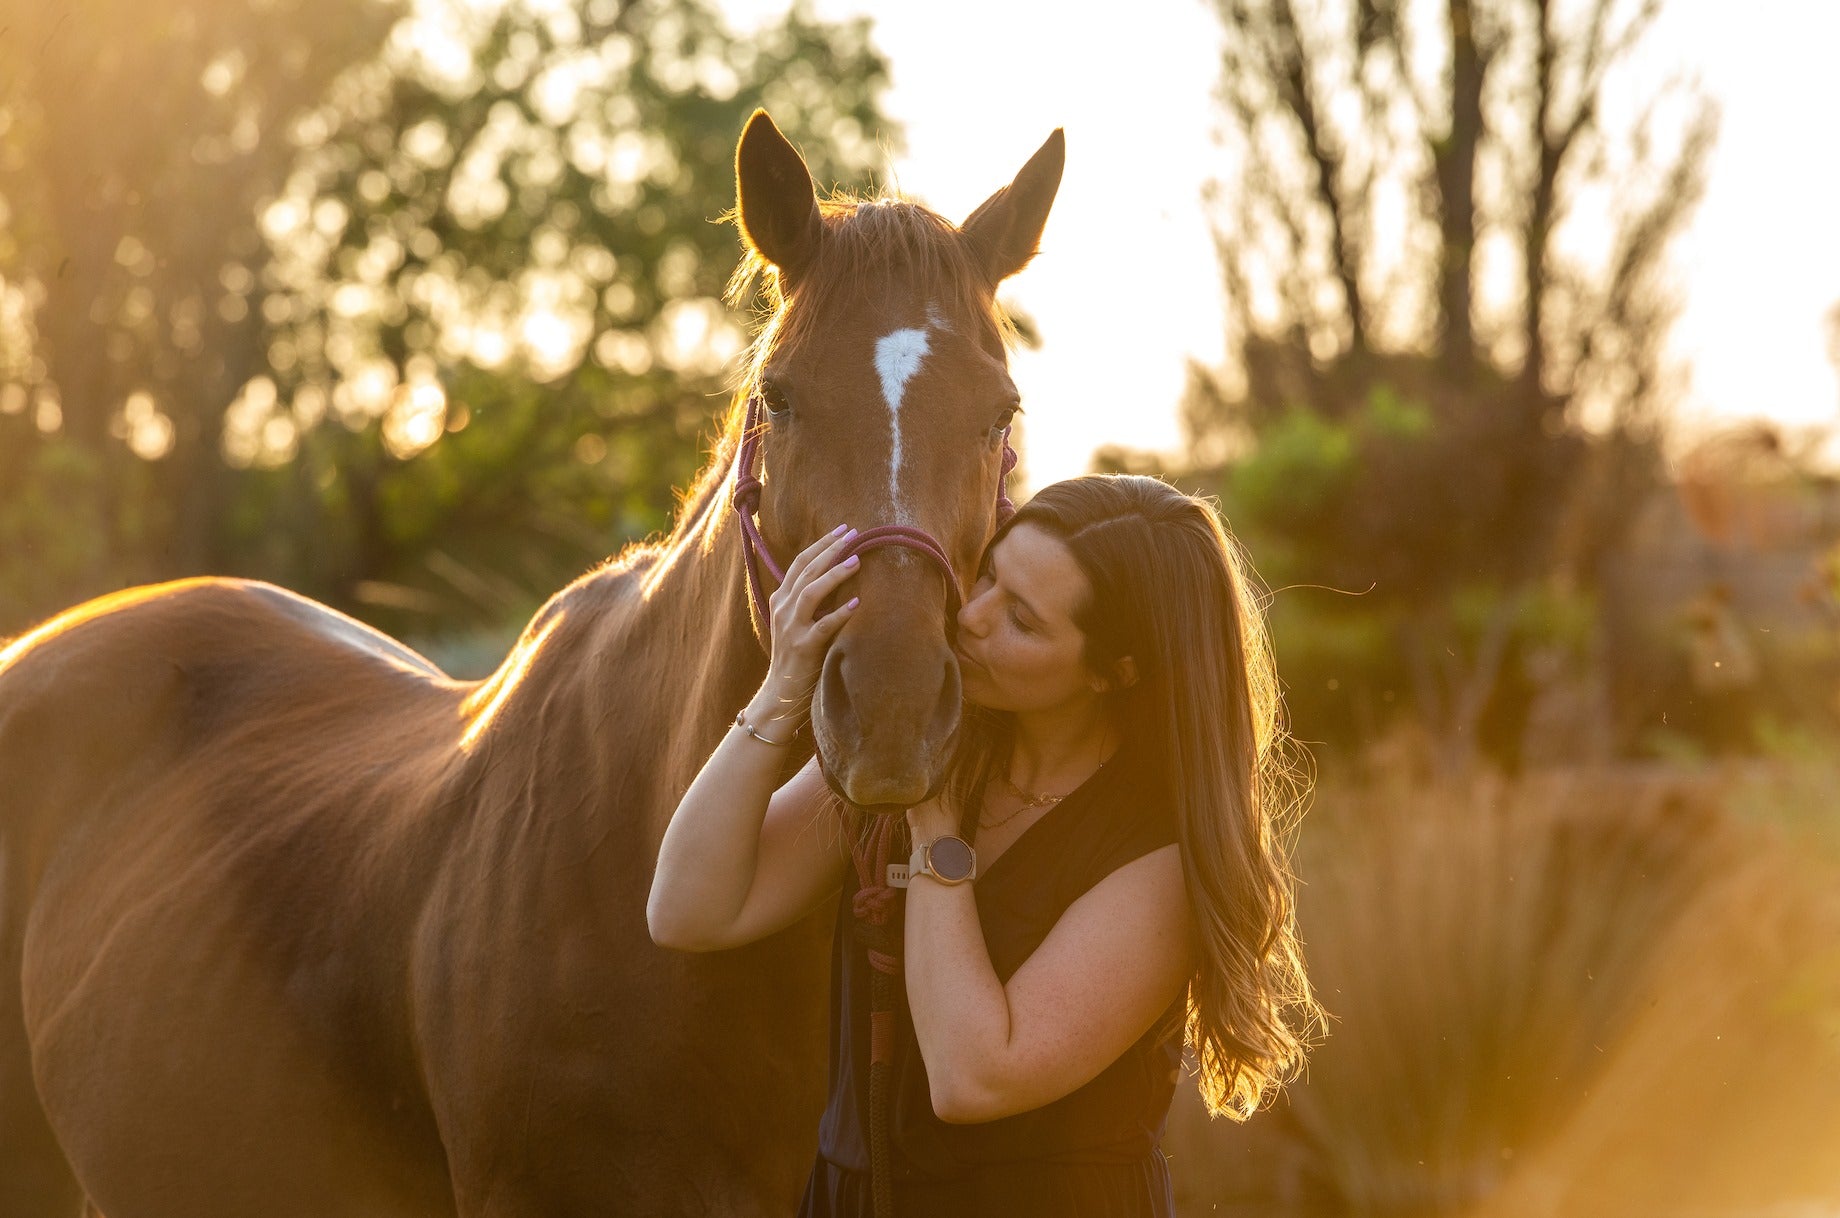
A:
878	933
875	897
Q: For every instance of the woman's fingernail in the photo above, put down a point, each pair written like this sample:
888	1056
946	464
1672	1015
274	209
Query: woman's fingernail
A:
854	601
838	531
852	560
851	533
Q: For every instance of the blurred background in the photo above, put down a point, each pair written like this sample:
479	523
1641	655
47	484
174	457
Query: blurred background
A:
1503	331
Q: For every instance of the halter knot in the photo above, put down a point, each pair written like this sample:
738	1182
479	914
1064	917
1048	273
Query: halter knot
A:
873	905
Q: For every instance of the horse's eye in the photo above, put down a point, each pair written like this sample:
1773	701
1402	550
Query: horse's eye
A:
1005	418
775	401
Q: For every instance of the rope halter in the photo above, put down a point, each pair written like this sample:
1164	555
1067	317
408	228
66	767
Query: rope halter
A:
746	497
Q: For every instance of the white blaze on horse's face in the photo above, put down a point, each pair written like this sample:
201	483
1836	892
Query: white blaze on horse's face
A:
897	358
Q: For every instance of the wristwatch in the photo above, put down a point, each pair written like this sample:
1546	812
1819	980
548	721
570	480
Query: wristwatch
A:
948	859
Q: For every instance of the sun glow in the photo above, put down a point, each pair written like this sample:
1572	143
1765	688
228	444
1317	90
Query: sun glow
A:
416	418
89	610
481	707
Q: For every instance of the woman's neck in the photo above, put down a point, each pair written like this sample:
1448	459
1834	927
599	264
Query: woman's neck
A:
1064	742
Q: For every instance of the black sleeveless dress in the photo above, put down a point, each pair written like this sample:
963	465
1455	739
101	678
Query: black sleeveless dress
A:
1094	1152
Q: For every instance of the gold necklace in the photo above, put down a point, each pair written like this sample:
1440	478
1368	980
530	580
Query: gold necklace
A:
1042	800
998	824
1031	801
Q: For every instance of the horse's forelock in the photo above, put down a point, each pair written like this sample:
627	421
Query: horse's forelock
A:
863	240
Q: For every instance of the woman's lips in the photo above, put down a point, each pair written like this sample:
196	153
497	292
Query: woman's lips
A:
965	659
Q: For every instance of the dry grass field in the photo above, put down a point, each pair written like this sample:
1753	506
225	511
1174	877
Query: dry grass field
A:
1581	993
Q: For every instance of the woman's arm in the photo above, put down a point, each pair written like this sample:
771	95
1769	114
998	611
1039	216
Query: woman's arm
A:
739	861
727	874
1110	967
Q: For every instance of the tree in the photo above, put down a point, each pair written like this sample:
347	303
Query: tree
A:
476	326
135	142
1445	272
497	289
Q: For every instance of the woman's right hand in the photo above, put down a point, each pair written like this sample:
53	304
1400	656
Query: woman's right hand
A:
801	635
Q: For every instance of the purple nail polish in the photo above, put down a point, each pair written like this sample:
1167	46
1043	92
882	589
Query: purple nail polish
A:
854	601
852	560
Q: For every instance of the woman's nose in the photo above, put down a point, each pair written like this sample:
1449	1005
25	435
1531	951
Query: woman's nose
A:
970	615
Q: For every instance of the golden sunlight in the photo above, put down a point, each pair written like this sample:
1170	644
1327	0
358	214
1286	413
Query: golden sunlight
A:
480	706
416	418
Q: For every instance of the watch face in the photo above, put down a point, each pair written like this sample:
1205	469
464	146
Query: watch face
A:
951	858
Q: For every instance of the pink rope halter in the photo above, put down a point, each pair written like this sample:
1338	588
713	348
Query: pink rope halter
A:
754	546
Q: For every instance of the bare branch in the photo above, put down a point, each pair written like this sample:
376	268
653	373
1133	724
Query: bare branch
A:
1294	75
1454	156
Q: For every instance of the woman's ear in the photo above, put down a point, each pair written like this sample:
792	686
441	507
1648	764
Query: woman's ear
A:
1124	676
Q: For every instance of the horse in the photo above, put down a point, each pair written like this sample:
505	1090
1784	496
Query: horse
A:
292	923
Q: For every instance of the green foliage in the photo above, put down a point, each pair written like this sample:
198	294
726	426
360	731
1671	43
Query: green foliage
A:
48	541
1302	467
422	319
1390	416
1420	521
1558	614
1391	493
504	333
1349	661
136	141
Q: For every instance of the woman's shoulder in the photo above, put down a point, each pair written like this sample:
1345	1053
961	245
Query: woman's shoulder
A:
1131	814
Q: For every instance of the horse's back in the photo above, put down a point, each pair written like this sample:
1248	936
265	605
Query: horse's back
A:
197	777
123	647
210	681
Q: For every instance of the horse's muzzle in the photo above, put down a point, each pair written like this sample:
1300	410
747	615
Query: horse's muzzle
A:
885	720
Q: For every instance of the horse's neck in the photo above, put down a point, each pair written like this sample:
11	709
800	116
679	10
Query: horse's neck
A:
689	641
623	684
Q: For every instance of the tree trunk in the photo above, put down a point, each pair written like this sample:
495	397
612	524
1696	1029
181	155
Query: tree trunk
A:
1455	159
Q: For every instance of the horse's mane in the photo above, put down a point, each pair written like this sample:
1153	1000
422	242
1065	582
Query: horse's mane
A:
863	238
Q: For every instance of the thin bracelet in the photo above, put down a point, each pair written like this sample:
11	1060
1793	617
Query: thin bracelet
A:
742	723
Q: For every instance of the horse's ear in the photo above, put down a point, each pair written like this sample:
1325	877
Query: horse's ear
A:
774	199
1006	229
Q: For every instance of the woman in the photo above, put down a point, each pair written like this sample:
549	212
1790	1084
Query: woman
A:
1120	784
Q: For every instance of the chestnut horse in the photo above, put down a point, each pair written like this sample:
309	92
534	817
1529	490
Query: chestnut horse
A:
292	924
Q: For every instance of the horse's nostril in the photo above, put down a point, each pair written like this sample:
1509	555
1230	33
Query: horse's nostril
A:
946	711
834	695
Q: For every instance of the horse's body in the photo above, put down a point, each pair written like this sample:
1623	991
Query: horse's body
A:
420	977
293	924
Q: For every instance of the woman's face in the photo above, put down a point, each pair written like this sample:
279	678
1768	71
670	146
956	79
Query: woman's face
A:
1018	646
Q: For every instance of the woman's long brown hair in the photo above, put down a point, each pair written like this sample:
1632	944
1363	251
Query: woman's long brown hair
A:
1175	592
